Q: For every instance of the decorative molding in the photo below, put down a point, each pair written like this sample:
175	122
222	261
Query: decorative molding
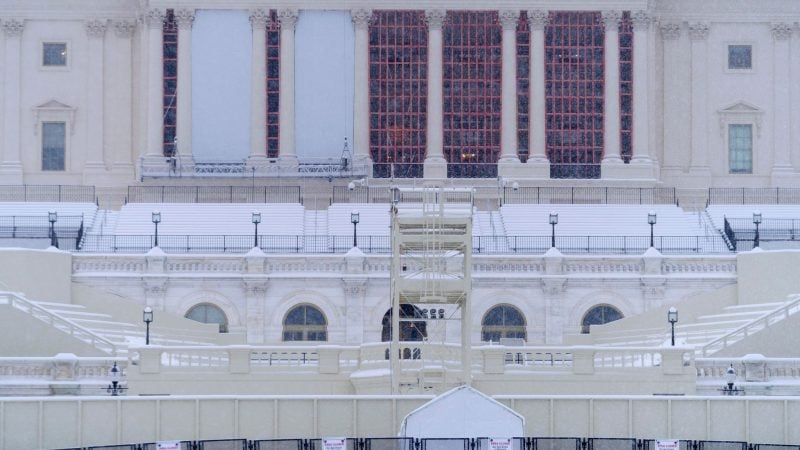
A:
353	288
287	18
124	28
54	110
641	20
13	27
256	288
154	18
259	19
184	18
509	19
538	19
361	17
740	112
434	18
781	31
611	20
96	28
554	286
670	31
698	31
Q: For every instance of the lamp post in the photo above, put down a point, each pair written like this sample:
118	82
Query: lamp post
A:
354	218
156	218
115	388
52	216
756	222
651	219
147	318
730	378
256	220
672	317
553	222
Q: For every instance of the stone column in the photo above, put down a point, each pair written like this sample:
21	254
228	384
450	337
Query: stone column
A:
119	93
154	19
537	158
255	297
782	172
288	152
259	18
183	125
676	104
554	289
642	162
95	87
361	19
698	34
508	111
611	138
354	292
11	166
435	165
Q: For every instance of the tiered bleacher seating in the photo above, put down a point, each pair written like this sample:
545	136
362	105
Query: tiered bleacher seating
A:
373	226
26	224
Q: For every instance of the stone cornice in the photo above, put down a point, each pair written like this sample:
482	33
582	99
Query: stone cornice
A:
184	18
641	20
698	31
435	18
288	18
361	17
259	19
124	28
96	28
670	31
781	31
509	19
611	20
154	18
538	19
13	27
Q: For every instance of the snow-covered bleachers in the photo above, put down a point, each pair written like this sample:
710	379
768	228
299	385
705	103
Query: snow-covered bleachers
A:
373	226
718	213
40	209
26	224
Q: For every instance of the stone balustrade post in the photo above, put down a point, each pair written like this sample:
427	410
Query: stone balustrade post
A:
672	360
328	359
583	360
239	359
494	361
149	359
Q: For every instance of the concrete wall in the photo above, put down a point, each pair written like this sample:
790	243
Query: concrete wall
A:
768	276
43	275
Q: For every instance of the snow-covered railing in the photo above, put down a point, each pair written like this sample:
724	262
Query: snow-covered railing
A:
748	368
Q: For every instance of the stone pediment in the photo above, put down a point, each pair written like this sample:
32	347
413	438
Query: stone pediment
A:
54	105
54	110
740	112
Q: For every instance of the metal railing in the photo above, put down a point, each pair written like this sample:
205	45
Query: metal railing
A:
742	232
171	167
214	194
47	193
754	196
381	244
589	195
397	170
574	170
39	226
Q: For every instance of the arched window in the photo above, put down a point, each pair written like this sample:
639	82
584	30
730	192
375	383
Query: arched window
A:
599	315
410	330
503	321
208	313
305	323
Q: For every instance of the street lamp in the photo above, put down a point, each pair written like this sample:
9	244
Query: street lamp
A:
52	216
730	379
256	220
147	318
156	218
651	219
354	218
672	317
115	388
553	222
756	221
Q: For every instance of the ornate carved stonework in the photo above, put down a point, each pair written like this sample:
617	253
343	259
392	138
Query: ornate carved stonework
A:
538	19
259	18
698	31
509	19
124	28
781	31
361	17
96	28
434	18
154	18
670	31
355	288
611	20
13	28
184	18
287	18
641	20
554	286
256	288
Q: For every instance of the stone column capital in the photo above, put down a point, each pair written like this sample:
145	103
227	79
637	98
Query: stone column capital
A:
154	18
670	31
434	18
361	18
96	28
611	19
509	19
781	31
698	31
641	20
184	18
259	19
13	27
124	28
538	19
288	18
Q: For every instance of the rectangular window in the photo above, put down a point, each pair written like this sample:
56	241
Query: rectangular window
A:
53	145
740	148
740	57
54	54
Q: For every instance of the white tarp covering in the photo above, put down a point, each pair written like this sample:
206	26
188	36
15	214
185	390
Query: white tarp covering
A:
462	412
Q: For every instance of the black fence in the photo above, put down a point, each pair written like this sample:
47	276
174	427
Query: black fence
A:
519	443
68	230
741	232
754	196
397	170
589	195
47	193
214	194
486	245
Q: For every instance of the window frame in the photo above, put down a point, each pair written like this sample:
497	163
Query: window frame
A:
305	328
731	70
223	327
752	147
67	59
42	143
504	328
54	111
585	328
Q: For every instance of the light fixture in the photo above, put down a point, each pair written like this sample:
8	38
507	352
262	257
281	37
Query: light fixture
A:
52	217
354	218
553	221
651	219
156	218
756	222
256	219
147	318
672	318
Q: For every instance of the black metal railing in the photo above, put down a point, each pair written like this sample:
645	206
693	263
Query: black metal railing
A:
730	234
214	194
754	196
589	195
574	170
742	231
17	227
47	193
397	170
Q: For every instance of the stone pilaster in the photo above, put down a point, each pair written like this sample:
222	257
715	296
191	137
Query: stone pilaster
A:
783	174
355	290
508	113
11	165
537	157
259	19
119	89
698	34
95	89
642	162
435	166
675	101
155	290
554	290
288	152
361	19
255	297
183	119
154	21
611	117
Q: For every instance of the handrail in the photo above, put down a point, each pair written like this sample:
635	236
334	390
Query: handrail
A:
21	303
762	322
